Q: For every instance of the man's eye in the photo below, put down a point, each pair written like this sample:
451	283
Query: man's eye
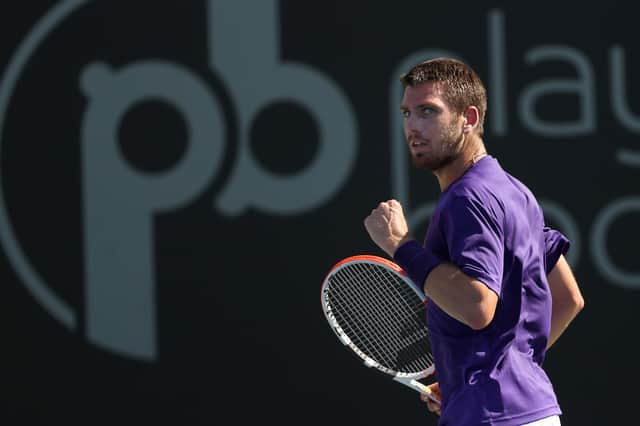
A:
405	113
427	110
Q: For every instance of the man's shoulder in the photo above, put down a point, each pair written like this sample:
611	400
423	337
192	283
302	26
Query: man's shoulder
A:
473	191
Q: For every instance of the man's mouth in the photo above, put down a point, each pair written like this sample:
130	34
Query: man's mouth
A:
416	142
417	147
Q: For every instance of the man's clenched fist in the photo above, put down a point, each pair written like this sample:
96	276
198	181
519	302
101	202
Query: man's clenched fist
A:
387	226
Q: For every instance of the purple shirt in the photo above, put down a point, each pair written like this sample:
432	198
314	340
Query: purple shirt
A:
490	225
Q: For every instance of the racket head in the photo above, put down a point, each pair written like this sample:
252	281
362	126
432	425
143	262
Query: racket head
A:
380	314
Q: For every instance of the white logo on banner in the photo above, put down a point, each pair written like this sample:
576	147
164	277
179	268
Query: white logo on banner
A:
119	287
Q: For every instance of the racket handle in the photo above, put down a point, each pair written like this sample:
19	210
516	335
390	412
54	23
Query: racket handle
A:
425	390
420	387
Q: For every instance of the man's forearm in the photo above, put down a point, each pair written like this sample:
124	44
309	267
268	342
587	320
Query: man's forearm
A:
561	316
462	297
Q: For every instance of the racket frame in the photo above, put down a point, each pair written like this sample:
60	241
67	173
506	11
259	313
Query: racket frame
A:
408	379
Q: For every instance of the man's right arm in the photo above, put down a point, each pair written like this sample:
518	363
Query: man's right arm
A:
567	300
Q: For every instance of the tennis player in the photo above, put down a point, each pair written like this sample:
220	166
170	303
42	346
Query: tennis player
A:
501	289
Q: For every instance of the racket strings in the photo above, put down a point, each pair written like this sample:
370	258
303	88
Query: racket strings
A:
391	319
413	313
413	319
358	323
382	315
353	321
413	304
385	347
408	309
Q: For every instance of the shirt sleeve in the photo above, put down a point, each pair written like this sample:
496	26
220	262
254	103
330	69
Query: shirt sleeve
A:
556	244
474	234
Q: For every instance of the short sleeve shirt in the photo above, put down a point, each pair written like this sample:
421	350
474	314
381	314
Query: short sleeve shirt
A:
490	225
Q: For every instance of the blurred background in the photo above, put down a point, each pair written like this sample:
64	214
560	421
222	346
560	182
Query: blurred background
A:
176	179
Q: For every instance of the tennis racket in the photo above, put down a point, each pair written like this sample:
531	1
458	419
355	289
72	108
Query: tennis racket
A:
377	311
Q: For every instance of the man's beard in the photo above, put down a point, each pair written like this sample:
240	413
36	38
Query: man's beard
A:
449	150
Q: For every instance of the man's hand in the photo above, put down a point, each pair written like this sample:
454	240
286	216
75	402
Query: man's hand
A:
433	406
387	226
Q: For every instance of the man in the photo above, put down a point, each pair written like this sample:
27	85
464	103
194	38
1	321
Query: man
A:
501	289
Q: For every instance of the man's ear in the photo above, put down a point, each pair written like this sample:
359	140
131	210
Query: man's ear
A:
471	119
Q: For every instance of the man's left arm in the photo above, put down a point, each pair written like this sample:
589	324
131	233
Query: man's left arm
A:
567	300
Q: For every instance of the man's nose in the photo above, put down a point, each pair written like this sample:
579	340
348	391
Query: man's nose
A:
410	130
410	126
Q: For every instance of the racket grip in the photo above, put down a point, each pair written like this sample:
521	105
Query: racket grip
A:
420	387
425	390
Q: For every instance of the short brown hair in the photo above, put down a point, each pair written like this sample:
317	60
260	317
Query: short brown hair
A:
462	86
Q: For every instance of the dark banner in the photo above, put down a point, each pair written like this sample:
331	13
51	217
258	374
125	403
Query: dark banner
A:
176	179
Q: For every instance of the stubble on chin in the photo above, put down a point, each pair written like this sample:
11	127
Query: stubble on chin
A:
433	164
435	161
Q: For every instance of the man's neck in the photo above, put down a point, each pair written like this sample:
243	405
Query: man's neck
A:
472	151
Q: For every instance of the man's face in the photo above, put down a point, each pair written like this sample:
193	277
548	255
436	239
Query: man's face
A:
431	129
